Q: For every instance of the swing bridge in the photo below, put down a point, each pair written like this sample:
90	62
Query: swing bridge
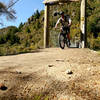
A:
49	3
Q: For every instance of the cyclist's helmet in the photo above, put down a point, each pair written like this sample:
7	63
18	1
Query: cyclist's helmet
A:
61	13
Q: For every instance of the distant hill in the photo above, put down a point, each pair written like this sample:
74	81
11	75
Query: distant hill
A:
5	30
29	35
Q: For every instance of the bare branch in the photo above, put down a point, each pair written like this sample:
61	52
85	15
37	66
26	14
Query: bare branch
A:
6	10
12	3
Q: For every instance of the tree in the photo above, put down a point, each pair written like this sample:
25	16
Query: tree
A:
7	10
20	27
36	14
28	30
11	35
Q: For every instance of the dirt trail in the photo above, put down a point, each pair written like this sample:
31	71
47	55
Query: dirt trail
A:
44	73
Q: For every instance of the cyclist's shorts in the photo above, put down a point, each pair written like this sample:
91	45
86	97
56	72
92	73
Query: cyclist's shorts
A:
67	29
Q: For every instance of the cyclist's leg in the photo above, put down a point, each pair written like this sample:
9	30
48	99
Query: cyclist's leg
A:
68	35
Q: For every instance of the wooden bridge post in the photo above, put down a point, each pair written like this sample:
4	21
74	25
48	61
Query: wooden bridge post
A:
46	26
83	24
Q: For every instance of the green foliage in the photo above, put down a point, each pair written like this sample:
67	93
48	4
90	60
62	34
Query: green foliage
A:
93	26
27	30
20	27
36	14
10	36
29	21
40	97
2	39
37	24
94	43
42	12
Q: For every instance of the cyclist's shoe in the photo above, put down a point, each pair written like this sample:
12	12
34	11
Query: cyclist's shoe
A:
69	43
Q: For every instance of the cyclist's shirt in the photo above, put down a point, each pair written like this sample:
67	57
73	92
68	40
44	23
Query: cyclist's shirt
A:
64	22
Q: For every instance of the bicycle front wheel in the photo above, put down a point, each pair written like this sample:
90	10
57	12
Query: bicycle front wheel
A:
61	41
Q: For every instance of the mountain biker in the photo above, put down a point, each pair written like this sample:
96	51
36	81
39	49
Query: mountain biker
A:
65	24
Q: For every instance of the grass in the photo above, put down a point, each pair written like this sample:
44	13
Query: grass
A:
39	98
98	52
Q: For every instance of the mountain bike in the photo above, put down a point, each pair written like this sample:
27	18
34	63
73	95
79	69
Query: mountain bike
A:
63	40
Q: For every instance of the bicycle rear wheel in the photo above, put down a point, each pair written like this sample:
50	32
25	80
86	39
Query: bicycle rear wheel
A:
61	41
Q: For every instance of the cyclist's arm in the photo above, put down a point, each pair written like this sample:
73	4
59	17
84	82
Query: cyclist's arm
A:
70	22
57	23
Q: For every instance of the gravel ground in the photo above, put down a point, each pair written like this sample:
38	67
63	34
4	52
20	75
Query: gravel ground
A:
51	74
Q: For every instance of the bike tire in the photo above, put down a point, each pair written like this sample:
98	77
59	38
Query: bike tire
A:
61	41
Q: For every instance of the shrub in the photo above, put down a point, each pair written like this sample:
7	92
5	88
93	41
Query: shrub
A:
94	43
11	37
28	30
37	14
20	27
2	39
37	25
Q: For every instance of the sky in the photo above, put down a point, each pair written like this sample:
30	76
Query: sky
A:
24	9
